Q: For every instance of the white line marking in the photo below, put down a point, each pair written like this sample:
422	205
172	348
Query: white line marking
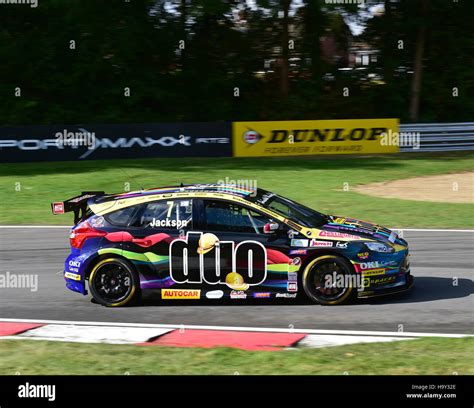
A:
322	340
249	329
93	334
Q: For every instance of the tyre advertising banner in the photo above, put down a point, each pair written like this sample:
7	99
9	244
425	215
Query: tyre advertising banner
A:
93	142
308	137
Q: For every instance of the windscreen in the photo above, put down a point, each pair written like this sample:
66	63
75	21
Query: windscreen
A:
296	212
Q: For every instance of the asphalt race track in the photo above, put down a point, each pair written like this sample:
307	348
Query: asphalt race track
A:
435	304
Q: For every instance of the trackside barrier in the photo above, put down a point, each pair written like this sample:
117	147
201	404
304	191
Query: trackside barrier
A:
225	139
441	137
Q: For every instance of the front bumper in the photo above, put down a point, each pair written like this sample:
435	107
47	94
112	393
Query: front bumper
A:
388	290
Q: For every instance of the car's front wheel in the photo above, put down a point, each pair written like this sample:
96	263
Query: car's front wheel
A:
328	280
114	283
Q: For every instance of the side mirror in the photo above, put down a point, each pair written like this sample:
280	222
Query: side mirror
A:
270	227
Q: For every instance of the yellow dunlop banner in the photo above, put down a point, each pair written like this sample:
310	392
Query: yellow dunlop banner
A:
304	137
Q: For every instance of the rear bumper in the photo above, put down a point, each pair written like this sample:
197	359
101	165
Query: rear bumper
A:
76	285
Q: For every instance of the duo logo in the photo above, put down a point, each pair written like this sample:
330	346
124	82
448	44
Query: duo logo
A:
203	258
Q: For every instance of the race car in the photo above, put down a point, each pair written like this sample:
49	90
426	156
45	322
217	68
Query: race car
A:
217	241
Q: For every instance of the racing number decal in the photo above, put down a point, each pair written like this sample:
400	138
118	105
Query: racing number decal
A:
170	208
202	257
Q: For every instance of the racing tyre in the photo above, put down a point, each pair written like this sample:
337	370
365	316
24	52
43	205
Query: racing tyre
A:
322	278
114	283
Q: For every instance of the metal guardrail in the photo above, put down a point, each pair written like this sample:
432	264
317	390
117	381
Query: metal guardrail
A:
437	137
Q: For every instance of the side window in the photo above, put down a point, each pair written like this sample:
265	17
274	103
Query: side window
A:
280	208
227	216
165	214
121	218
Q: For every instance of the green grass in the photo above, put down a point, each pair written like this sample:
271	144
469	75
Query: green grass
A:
409	357
315	181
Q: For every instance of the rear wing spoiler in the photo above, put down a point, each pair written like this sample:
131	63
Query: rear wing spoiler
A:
77	204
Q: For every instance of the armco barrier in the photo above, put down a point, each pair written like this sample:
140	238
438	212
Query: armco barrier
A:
440	137
39	143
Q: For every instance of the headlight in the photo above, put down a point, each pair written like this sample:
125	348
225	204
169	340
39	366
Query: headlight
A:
379	247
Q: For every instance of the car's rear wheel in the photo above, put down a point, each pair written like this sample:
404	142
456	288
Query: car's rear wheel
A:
327	280
114	283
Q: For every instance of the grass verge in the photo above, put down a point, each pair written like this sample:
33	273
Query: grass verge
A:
315	181
428	356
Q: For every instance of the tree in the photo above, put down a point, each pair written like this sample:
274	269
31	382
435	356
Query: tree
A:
418	62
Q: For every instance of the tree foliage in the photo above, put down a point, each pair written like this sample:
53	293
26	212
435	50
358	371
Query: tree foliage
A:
76	61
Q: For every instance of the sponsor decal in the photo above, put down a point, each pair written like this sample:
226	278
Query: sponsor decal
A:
58	208
296	261
74	266
168	223
353	229
292	233
383	280
180	294
335	234
299	242
342	245
238	294
306	137
97	222
373	265
298	252
369	265
363	255
315	243
292	224
292	276
251	137
100	143
372	272
189	256
212	140
81	198
215	294
142	140
286	295
73	276
261	295
292	287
